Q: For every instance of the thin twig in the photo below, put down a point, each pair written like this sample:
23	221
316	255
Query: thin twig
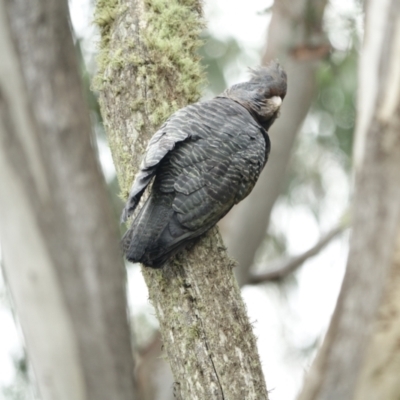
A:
286	267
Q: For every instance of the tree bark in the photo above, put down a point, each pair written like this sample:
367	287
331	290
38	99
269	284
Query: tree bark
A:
379	377
61	254
148	69
295	37
337	372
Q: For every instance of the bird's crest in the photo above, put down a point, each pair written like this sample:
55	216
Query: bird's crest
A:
273	75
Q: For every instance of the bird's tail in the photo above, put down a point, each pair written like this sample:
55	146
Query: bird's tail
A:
147	240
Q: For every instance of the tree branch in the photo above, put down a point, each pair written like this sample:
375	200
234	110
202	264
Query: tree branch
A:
148	69
283	268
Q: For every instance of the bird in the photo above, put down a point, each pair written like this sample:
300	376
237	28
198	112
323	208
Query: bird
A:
202	161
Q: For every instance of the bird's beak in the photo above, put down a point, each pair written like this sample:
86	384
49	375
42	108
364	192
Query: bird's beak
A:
275	102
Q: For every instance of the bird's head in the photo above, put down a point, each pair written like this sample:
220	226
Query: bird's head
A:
263	94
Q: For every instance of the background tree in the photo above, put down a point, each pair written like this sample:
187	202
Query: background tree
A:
61	254
344	368
297	39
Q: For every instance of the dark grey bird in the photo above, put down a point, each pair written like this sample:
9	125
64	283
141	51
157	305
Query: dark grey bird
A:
204	159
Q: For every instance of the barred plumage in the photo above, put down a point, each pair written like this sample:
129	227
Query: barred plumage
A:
205	159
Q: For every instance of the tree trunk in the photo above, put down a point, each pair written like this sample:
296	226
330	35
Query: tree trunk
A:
148	69
295	37
339	371
379	378
61	254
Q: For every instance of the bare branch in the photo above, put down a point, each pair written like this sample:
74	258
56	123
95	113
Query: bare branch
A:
283	268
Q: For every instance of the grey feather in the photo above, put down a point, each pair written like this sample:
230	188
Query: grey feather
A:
205	159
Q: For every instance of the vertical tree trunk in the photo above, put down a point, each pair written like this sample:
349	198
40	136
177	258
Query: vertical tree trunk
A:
148	69
296	38
337	372
379	378
61	254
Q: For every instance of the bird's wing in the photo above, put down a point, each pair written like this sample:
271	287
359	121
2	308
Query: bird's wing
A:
206	191
211	172
163	141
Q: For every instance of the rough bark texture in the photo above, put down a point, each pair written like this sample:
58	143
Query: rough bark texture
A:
379	378
149	68
61	254
295	37
338	370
